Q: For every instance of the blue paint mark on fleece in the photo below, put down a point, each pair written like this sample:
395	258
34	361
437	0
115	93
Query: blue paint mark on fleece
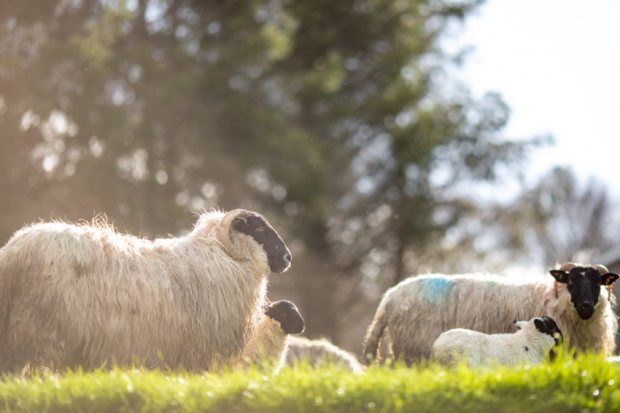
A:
437	289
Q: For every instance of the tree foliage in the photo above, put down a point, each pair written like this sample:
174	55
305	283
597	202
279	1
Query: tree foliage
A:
333	117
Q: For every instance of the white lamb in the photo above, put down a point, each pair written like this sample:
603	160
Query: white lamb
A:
532	343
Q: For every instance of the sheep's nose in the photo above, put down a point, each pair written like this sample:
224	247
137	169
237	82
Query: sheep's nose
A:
585	310
586	307
287	256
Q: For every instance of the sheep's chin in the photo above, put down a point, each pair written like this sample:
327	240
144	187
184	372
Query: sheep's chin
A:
585	315
278	267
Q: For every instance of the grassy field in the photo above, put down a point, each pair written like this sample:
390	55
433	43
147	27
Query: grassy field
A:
585	384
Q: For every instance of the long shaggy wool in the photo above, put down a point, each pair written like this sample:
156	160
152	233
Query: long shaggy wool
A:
320	353
416	311
82	295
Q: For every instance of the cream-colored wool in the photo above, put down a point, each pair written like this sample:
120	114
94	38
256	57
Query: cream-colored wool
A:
320	353
81	295
416	311
267	346
527	345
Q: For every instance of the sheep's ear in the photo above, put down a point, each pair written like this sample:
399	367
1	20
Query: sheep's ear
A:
609	278
540	325
560	276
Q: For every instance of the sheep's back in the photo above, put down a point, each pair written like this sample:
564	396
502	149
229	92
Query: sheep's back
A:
319	353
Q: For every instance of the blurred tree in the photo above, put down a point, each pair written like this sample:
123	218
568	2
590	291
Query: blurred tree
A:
560	220
335	118
396	145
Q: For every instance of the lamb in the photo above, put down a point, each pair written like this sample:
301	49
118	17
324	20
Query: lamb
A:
532	343
320	353
416	311
88	296
269	343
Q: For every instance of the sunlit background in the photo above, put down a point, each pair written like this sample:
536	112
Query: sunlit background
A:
556	64
382	138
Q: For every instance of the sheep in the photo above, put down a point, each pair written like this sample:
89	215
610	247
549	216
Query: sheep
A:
88	296
420	308
320	353
533	342
269	342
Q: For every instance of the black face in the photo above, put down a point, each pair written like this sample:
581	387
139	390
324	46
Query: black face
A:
257	227
548	326
287	314
584	286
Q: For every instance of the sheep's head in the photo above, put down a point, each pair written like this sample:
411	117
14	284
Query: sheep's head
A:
255	226
547	326
584	285
287	314
543	324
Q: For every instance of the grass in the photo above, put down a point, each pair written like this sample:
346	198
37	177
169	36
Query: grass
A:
581	385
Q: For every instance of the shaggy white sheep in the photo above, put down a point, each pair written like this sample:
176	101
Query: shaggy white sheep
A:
320	353
532	343
82	295
416	311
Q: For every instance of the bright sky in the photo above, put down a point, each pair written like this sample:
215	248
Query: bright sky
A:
557	65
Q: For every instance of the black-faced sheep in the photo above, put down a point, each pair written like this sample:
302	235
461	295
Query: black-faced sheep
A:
532	343
81	295
269	341
320	353
416	311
